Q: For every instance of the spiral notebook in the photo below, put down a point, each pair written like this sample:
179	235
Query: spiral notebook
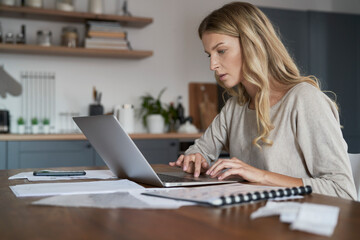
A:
229	193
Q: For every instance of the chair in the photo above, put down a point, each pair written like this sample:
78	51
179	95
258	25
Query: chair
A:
355	166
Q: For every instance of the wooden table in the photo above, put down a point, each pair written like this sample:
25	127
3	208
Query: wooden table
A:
20	220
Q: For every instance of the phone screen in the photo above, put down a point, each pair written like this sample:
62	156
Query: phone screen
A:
58	173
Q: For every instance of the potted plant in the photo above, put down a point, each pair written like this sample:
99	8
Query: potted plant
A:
34	126
153	113
21	125
46	125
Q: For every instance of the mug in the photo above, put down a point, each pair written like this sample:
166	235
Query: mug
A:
125	115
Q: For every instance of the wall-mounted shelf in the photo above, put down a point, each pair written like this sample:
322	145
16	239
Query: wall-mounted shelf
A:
57	15
65	51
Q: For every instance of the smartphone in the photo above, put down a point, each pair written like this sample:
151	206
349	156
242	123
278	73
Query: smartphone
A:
58	173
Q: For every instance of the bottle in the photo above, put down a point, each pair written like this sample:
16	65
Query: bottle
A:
180	111
172	118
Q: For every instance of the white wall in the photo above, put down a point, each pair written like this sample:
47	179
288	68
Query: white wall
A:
178	54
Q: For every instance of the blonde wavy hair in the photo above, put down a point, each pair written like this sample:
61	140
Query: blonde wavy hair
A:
264	57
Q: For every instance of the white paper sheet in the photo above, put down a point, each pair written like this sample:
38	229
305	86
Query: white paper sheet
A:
90	174
131	199
48	189
313	218
316	218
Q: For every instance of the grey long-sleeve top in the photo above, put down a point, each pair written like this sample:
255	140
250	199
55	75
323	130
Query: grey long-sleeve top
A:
307	140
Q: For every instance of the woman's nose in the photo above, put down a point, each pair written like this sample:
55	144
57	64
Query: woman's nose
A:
213	63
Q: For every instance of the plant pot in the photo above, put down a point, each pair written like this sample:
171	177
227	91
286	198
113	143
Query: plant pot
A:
46	129
155	123
21	129
35	129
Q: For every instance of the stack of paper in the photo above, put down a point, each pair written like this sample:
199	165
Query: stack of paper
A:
308	217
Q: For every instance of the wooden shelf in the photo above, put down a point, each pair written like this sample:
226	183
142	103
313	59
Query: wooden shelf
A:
57	15
65	51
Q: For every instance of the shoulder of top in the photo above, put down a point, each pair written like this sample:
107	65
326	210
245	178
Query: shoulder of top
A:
304	90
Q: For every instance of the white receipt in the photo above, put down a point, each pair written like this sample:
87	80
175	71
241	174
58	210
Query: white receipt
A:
313	218
48	189
90	174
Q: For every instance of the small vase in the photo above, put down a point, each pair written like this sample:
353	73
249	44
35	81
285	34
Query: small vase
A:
46	129
155	123
35	129
21	129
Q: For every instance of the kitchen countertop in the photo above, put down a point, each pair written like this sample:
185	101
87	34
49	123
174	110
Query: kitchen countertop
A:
79	136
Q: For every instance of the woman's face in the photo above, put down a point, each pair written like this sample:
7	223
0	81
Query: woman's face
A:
225	57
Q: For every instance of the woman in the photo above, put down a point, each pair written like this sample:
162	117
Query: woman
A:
279	128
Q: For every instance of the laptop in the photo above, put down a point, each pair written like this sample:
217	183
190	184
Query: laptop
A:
125	160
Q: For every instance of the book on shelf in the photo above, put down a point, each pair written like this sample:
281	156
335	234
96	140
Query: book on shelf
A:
227	194
102	34
106	44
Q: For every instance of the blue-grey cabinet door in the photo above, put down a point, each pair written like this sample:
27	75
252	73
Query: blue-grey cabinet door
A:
3	154
335	60
43	154
294	33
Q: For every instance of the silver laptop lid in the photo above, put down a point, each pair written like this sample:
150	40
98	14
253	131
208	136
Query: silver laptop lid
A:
117	149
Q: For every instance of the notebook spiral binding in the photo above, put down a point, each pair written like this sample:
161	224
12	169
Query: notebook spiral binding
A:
255	196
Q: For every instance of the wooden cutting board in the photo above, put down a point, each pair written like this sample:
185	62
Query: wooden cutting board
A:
203	103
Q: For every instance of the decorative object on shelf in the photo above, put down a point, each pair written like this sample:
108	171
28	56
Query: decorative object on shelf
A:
65	5
96	108
46	125
21	37
44	38
21	125
8	2
34	3
8	84
96	6
122	6
125	115
9	38
151	106
69	37
34	126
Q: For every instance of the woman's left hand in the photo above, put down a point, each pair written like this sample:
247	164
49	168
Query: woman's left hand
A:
237	167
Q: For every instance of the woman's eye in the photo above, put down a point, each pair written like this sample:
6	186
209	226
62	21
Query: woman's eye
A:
221	51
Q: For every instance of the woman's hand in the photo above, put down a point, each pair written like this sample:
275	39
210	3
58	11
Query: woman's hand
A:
192	163
237	167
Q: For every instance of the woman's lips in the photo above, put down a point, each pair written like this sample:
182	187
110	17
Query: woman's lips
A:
222	77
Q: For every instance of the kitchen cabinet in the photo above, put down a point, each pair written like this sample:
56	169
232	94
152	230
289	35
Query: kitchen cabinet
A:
46	154
60	153
335	59
294	33
3	155
56	15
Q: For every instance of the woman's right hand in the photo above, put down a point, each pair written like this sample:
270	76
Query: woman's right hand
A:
192	163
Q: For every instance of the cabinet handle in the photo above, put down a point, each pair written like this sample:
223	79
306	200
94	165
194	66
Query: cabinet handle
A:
88	145
172	144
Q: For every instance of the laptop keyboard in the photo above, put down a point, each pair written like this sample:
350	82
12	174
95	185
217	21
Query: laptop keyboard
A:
168	178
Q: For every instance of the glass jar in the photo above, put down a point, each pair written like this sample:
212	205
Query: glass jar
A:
69	37
44	38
